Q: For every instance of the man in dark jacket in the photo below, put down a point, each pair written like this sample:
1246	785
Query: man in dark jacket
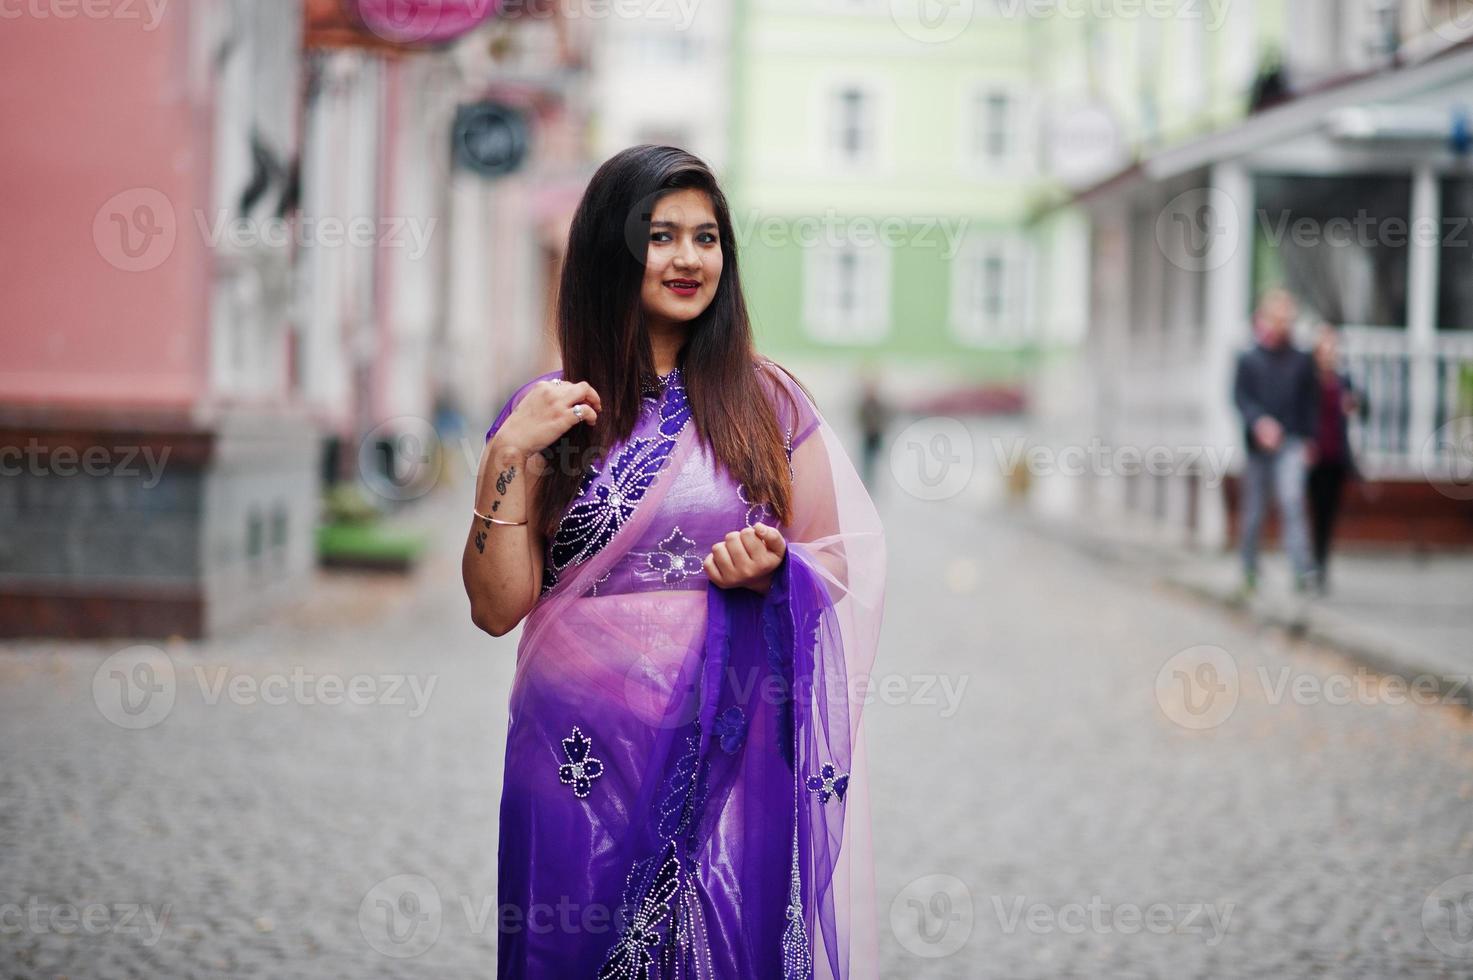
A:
1277	392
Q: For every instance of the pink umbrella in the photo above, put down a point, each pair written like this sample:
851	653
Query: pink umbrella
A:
422	21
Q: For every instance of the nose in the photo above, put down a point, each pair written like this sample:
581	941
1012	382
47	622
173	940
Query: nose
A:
686	256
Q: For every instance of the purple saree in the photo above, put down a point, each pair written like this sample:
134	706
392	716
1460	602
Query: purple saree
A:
684	791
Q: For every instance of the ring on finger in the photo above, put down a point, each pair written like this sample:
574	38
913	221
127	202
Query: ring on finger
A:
578	411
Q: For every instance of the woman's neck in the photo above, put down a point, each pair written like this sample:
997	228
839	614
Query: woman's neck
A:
665	347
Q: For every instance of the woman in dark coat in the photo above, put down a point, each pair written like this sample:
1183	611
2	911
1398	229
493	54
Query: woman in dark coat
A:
1331	462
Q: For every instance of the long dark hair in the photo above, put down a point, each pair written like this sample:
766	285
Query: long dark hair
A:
601	333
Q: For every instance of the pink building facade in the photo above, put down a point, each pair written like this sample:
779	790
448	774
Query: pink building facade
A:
240	260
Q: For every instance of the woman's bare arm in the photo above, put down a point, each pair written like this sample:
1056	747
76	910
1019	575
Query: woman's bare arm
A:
502	563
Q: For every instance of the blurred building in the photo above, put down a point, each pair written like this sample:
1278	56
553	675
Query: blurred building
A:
159	472
957	135
469	159
663	75
884	175
1361	136
252	244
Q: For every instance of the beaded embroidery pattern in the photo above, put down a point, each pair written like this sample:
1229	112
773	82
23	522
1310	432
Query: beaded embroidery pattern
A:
607	498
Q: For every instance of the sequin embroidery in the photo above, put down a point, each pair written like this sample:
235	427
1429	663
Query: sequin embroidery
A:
581	769
608	497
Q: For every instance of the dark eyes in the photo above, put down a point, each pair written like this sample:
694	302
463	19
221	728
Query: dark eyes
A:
705	237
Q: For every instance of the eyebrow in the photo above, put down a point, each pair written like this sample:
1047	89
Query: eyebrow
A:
672	224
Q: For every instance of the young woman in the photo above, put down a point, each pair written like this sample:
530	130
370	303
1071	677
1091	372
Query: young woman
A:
701	575
1332	464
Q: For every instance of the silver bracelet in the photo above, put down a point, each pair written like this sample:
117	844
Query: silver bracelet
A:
497	520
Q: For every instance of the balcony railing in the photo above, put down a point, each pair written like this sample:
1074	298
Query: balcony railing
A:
1412	402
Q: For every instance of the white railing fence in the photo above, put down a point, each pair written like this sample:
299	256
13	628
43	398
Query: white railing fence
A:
1411	400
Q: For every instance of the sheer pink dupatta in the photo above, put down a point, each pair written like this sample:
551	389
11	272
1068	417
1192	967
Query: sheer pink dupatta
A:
836	531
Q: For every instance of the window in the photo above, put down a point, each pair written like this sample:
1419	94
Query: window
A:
846	294
994	123
1455	281
994	128
852	126
987	292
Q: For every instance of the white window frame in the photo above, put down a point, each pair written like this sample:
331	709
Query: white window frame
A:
1019	153
972	324
828	159
867	321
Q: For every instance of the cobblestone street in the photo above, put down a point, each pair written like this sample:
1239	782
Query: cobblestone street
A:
1075	774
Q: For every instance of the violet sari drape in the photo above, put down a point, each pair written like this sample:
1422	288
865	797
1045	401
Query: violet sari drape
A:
685	793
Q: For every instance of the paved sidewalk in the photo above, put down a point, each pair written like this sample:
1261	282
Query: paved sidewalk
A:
1398	613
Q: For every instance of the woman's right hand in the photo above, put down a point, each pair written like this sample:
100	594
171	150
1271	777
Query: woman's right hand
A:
546	412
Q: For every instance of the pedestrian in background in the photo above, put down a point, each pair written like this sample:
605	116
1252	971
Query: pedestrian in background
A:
1332	462
1276	390
874	416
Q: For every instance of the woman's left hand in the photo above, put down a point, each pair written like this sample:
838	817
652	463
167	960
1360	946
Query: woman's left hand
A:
746	558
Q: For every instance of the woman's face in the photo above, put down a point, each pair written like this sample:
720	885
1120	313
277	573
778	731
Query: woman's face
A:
1326	349
683	262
